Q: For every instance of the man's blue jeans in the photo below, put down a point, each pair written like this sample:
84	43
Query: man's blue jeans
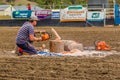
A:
27	47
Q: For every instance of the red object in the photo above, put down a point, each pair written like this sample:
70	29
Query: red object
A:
20	50
29	7
102	45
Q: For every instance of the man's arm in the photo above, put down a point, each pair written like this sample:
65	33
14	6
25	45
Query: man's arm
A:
33	38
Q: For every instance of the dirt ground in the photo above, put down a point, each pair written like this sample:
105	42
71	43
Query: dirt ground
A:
14	67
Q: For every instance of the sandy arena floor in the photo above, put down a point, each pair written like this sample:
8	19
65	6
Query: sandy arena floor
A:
13	67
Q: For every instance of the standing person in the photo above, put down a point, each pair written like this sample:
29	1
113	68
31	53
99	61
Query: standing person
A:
25	36
29	6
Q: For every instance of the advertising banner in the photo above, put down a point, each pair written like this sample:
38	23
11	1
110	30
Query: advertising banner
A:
73	13
43	14
116	15
95	15
22	14
55	14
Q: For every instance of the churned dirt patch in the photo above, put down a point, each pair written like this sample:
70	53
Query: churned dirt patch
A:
14	67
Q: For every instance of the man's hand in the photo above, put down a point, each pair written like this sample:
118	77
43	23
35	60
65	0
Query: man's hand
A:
39	39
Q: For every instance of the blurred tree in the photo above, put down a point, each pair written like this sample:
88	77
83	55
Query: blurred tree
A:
10	0
54	3
1	3
73	1
32	0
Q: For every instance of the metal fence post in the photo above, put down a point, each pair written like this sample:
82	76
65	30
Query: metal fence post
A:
104	15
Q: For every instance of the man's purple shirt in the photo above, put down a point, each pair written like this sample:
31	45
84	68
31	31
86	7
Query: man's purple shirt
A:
24	32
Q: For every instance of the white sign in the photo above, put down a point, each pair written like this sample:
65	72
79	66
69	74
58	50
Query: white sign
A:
74	13
95	15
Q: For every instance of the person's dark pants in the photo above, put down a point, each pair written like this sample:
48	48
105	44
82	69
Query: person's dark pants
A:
28	48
